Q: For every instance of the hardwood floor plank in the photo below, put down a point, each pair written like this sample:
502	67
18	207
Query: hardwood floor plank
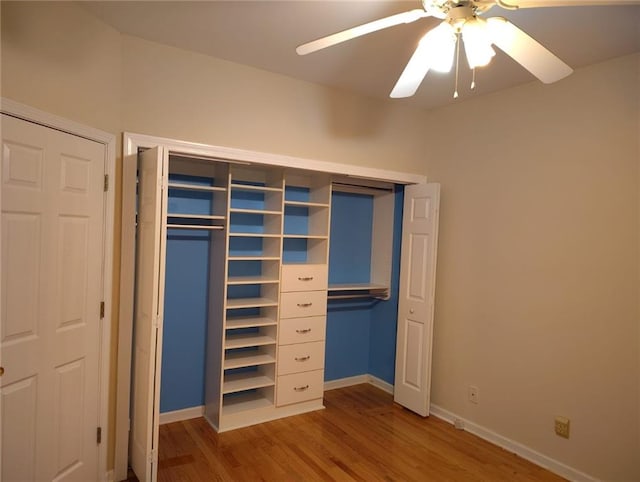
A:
360	436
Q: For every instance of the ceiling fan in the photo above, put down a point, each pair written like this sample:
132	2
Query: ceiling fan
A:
462	22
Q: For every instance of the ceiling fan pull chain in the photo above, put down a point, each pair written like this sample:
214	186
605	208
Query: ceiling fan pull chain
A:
473	79
455	93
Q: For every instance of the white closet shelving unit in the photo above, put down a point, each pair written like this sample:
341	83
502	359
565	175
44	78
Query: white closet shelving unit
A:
267	218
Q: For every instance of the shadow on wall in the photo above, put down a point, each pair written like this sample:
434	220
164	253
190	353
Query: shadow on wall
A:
352	116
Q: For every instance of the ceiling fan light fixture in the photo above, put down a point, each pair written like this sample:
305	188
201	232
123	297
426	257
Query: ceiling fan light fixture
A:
441	43
477	43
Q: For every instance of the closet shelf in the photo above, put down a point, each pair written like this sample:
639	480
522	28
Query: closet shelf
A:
253	258
305	204
253	235
235	303
356	287
249	322
244	402
240	360
304	236
207	217
251	280
251	187
338	291
238	382
254	211
195	226
195	187
245	340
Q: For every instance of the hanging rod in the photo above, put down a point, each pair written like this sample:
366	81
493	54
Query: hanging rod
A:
359	189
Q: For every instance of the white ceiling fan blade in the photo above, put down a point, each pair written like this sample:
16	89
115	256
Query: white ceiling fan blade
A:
527	51
413	74
336	38
563	3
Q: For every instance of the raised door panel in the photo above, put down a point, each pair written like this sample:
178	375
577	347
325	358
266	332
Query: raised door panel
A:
52	285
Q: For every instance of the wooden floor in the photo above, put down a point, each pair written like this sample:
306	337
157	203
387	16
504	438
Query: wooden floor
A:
361	435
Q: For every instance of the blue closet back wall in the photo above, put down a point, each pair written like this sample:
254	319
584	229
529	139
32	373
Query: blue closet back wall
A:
361	335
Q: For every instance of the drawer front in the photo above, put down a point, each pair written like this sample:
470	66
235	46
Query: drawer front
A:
302	330
301	357
300	387
304	303
304	277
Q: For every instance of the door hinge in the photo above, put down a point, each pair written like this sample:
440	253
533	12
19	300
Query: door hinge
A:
153	455
99	435
101	309
106	182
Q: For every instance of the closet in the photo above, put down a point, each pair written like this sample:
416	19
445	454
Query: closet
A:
254	230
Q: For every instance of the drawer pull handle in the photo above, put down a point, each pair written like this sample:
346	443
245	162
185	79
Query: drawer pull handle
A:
302	332
302	358
301	389
304	305
305	278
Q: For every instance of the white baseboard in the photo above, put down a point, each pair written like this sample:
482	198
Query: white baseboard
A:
179	415
357	380
109	476
517	448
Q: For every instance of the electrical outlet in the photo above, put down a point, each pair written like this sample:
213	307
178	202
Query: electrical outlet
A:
562	427
473	394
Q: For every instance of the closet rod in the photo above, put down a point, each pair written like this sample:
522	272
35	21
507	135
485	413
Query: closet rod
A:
193	226
356	189
344	297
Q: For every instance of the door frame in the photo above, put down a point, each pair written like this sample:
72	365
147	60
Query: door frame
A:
46	119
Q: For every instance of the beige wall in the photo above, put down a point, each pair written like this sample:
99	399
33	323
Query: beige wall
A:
537	294
537	298
172	93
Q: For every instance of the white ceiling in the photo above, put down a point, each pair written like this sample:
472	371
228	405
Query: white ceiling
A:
264	34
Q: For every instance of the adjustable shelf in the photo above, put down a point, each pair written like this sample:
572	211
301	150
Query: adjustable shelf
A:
239	382
245	340
238	322
357	290
240	359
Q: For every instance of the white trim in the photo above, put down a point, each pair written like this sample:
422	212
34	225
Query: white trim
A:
53	121
357	380
109	476
180	415
512	446
381	384
345	382
133	141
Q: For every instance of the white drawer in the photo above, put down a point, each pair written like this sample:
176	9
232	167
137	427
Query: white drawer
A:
304	277
301	357
303	303
299	387
302	330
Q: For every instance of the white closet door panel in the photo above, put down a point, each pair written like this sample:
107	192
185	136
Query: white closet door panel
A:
52	251
416	299
148	315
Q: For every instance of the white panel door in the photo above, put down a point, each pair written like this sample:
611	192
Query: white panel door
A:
52	285
416	297
149	299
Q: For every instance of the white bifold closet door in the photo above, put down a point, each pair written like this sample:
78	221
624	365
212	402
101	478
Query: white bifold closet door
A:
53	227
416	297
149	294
